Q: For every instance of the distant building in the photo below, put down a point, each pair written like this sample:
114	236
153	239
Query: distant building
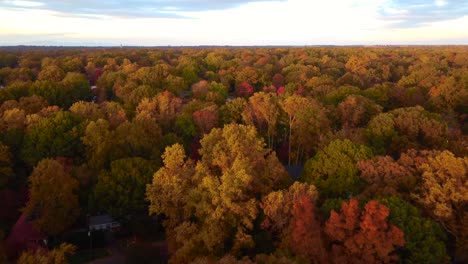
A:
103	222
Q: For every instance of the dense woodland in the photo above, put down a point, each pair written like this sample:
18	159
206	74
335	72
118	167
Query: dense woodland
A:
245	155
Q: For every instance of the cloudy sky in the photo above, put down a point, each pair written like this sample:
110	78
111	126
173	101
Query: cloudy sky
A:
233	22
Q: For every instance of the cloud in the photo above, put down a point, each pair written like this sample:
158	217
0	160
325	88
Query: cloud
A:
417	13
129	9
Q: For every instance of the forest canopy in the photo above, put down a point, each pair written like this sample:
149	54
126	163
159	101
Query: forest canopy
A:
240	155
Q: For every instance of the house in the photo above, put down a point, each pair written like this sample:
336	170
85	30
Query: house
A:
103	222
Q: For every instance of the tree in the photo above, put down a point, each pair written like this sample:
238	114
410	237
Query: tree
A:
98	140
363	236
278	206
334	169
405	128
52	91
58	135
444	193
53	203
121	190
386	176
114	113
424	237
290	215
6	166
231	112
206	119
58	255
163	107
306	233
87	110
244	89
217	201
307	125
51	73
356	111
263	112
77	87
13	118
140	138
449	95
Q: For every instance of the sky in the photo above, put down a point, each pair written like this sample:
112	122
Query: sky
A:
233	22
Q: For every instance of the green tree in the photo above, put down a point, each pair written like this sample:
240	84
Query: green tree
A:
77	88
334	169
406	128
58	135
121	191
424	237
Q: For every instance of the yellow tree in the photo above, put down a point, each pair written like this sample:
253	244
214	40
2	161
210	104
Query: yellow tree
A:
215	202
53	203
307	125
263	112
444	192
56	256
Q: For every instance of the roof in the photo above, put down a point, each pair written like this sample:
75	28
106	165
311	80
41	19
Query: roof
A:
101	220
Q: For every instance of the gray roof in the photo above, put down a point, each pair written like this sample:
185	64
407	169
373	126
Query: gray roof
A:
101	220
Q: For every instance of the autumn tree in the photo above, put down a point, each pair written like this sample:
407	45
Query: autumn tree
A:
307	126
356	111
244	89
277	207
218	199
334	171
232	111
87	110
263	112
363	236
139	138
51	73
6	165
163	107
386	176
406	128
206	119
306	232
98	140
290	215
443	192
53	203
58	255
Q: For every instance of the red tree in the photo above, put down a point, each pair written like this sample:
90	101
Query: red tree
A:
363	237
244	90
306	236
